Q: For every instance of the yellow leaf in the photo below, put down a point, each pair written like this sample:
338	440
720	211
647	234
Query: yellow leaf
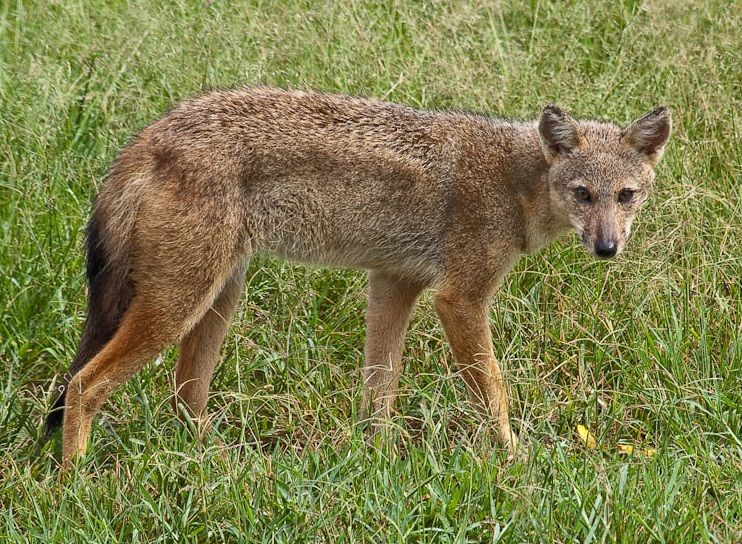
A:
587	437
629	449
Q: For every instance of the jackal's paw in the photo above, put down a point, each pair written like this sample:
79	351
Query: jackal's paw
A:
517	448
376	432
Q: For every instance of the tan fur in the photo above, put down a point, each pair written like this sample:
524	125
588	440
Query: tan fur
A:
390	304
199	349
421	199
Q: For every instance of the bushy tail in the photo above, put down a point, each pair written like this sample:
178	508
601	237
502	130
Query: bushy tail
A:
109	293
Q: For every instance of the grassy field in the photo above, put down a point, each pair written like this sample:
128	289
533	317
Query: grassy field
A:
643	351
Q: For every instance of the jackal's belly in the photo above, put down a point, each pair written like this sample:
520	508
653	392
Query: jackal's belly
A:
407	254
354	237
348	223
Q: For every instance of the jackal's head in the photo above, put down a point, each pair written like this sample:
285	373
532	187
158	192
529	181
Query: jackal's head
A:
599	174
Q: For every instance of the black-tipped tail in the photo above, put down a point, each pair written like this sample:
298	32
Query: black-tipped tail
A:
108	297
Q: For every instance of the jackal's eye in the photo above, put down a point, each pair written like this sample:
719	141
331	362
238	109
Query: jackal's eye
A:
626	195
582	194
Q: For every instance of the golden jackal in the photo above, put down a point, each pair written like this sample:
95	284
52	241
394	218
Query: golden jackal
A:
420	199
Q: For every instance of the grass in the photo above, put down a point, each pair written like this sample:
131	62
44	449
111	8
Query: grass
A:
646	350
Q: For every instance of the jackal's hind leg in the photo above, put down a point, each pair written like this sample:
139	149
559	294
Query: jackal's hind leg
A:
160	313
390	304
199	349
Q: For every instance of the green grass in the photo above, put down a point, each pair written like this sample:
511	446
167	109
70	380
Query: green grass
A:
646	350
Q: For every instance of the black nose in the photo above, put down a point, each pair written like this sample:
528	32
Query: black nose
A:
605	249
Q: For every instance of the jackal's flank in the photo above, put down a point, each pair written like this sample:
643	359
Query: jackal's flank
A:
420	199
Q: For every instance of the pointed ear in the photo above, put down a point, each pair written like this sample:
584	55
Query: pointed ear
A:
560	134
648	135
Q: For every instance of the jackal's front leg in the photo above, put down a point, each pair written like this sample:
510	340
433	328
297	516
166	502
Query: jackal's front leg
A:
467	329
390	304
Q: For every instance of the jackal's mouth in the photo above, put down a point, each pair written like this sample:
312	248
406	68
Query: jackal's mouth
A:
583	238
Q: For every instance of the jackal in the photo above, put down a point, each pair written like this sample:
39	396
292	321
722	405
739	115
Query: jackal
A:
419	198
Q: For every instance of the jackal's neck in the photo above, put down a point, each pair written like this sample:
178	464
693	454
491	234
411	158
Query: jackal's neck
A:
528	174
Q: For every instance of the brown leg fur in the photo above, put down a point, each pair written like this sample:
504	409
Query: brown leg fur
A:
467	329
140	337
199	350
390	304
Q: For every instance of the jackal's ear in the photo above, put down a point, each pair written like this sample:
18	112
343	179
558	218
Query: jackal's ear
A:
560	134
649	134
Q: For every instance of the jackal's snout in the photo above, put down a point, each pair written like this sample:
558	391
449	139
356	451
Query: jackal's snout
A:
602	243
605	230
609	238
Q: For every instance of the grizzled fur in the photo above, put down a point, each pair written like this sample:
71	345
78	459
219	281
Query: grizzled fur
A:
420	199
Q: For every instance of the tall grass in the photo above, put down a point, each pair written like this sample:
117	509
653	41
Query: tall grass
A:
646	350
